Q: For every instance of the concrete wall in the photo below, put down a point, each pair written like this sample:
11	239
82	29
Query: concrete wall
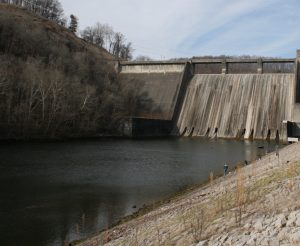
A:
237	105
157	93
157	86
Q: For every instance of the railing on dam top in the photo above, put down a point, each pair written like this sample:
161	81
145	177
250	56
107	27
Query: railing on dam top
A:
243	66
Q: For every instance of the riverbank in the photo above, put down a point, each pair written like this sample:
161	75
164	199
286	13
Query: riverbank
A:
255	205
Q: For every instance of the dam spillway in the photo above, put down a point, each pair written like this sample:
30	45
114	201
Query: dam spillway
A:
237	105
226	98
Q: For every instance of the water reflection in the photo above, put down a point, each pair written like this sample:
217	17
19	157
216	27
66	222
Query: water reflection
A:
57	192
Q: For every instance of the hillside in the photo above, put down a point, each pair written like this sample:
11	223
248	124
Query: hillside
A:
54	84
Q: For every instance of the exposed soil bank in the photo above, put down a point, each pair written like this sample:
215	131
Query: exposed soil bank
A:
255	205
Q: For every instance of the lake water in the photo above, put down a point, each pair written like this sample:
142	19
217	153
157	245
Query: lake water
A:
53	193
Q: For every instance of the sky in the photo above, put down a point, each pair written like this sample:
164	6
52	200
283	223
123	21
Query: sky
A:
164	29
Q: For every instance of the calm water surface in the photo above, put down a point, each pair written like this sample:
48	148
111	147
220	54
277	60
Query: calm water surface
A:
57	192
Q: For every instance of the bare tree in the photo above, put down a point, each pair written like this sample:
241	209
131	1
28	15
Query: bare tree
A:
126	51
50	9
98	34
116	45
88	34
104	37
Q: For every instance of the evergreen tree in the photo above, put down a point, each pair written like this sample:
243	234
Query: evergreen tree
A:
73	24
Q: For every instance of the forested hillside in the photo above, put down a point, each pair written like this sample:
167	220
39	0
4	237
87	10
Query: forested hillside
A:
53	84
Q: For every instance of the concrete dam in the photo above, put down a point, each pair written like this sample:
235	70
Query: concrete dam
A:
226	98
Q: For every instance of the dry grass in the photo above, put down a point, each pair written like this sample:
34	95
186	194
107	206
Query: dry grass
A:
240	194
211	178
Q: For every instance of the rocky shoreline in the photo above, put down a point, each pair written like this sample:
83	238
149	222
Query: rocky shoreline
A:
255	205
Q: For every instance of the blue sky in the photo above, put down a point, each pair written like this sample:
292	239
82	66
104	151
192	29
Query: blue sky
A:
164	29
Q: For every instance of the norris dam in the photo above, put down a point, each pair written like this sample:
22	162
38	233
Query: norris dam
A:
225	98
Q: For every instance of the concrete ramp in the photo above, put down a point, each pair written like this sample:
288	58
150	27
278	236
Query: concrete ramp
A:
238	106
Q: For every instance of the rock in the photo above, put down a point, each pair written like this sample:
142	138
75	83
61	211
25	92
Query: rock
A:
231	221
292	218
202	243
251	241
265	242
273	232
247	226
282	234
265	233
229	240
297	222
280	221
223	238
295	237
274	242
244	239
258	226
285	210
269	221
293	215
290	222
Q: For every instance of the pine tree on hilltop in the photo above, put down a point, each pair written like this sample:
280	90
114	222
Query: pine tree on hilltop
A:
73	24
